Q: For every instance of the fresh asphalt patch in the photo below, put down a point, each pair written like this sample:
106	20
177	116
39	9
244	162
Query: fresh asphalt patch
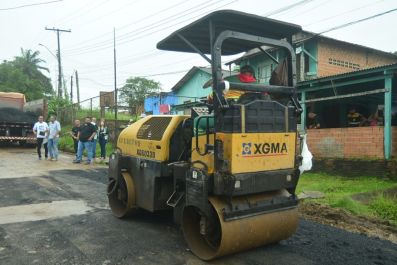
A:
52	187
93	174
28	191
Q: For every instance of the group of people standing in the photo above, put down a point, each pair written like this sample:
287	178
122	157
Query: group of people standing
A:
86	136
48	136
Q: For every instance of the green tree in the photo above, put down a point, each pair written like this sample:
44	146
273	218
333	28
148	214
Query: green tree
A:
24	74
30	62
136	90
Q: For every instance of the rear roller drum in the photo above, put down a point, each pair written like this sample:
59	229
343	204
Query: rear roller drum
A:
121	195
210	236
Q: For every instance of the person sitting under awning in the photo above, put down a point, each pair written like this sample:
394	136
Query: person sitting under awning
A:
313	121
354	118
246	75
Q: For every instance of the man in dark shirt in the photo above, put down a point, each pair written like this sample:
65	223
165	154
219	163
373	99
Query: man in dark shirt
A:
85	135
74	133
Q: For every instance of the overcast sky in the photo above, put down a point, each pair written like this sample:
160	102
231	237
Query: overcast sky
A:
140	24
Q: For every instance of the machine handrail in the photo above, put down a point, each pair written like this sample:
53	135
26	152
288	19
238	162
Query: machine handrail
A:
206	132
253	87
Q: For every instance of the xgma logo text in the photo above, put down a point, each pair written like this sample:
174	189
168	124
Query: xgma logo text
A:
263	149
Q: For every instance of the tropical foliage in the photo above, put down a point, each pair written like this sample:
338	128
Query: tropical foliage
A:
24	74
136	90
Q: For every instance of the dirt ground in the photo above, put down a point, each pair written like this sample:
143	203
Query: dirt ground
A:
57	213
340	218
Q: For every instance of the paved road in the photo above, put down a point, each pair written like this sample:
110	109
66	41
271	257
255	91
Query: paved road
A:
57	213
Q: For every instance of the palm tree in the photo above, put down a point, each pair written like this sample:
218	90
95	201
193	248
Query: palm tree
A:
29	62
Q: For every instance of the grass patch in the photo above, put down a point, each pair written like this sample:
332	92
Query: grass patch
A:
385	208
339	192
352	206
82	113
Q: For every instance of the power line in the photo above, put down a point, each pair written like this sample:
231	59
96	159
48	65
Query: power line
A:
28	5
82	11
107	14
188	59
107	43
166	73
151	75
307	10
343	13
358	21
136	21
350	24
145	33
285	8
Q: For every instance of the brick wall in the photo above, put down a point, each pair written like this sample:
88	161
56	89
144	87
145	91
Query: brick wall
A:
347	53
394	141
356	167
360	142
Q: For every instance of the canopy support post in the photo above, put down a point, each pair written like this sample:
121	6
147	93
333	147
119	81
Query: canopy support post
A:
387	116
194	48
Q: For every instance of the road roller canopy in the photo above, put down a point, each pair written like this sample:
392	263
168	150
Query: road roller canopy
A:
198	32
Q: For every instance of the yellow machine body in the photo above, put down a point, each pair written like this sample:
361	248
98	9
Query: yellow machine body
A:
256	152
251	152
208	159
149	138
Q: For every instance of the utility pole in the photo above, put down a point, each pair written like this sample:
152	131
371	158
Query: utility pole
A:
71	89
59	59
77	88
115	79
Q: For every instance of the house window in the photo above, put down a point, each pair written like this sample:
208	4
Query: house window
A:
345	64
265	72
307	65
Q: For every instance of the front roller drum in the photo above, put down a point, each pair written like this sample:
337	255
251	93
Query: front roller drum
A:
121	195
222	238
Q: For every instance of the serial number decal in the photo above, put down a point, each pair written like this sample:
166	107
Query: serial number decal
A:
146	153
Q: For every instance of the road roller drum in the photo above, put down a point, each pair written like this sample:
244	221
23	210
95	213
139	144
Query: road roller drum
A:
226	237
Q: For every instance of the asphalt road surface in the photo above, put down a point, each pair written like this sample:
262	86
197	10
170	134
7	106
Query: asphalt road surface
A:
57	213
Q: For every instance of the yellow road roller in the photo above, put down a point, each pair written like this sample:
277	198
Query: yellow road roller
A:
229	170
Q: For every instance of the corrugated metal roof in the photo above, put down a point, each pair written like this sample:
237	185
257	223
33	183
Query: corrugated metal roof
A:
302	37
375	69
192	71
311	35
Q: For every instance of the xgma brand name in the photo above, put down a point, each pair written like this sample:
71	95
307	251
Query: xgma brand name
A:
263	149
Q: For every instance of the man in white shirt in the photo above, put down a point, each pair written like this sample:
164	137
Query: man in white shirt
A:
40	128
53	137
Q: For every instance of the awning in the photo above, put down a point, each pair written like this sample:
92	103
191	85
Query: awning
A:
198	32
